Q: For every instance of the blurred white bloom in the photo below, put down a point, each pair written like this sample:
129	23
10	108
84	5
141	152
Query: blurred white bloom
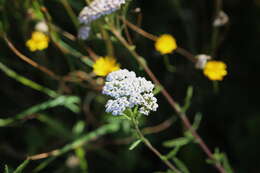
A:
83	32
42	26
95	10
221	19
72	161
98	8
202	60
128	91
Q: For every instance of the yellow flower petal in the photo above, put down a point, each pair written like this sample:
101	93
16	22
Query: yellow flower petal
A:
165	44
215	70
39	41
104	66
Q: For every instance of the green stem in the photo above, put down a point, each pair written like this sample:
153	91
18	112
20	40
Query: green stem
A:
167	64
215	32
215	87
27	82
70	13
152	148
93	135
109	45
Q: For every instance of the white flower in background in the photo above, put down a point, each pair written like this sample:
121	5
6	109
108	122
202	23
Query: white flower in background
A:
42	26
97	9
83	32
221	19
202	60
128	91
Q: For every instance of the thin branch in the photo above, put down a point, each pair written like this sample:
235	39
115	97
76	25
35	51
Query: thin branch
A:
152	37
139	30
186	54
129	39
153	149
158	128
30	61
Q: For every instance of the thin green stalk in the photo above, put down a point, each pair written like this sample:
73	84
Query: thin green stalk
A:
105	129
27	82
215	87
152	148
215	32
80	153
167	64
71	13
57	39
109	45
70	102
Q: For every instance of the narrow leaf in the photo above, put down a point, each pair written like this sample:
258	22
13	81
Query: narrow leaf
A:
197	121
21	167
135	144
6	169
105	129
59	101
188	99
176	142
226	164
183	168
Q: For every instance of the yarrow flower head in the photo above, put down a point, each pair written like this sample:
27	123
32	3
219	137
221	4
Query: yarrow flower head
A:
97	9
165	44
215	70
38	41
128	91
103	66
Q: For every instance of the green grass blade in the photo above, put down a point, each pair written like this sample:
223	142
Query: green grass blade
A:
6	169
27	82
80	153
59	101
21	167
135	144
181	165
105	129
55	125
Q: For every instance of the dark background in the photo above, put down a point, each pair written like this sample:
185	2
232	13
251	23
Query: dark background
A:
231	117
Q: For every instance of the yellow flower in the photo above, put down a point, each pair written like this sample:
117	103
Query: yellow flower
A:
38	41
103	66
165	44
215	70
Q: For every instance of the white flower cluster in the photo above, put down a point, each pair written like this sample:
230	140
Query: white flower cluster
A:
95	10
128	91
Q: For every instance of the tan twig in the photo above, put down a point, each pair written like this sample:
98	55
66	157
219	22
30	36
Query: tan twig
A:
158	128
180	50
92	54
139	30
43	155
129	39
30	61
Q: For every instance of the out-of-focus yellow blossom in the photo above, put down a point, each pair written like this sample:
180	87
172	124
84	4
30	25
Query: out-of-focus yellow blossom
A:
103	66
165	44
215	70
38	41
